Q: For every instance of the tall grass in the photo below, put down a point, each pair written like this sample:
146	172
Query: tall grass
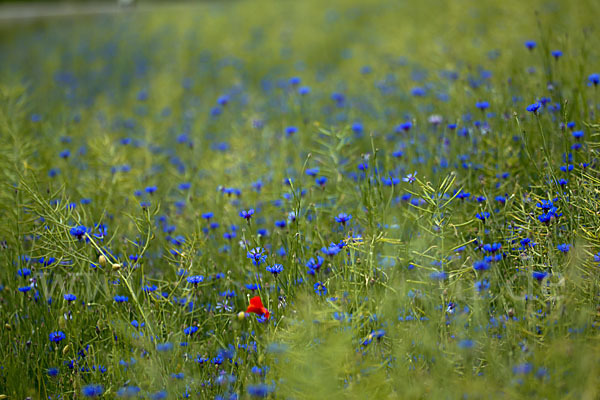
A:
468	268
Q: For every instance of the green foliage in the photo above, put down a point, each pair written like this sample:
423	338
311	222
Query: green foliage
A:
133	97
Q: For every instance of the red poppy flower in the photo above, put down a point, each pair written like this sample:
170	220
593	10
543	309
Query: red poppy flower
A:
256	307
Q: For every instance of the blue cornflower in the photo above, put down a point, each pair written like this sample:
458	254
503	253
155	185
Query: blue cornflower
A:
466	344
223	100
70	297
208	215
128	391
567	168
418	91
190	330
530	44
522	369
150	189
378	334
280	223
331	250
482	286
556	54
247	214
304	90
321	181
160	395
179	375
391	181
342	218
24	272
78	231
290	130
482	105
577	134
357	127
338	98
121	299
320	289
312	171
314	265
492	248
565	247
52	371
275	269
482	216
92	390
167	346
534	107
410	178
260	390
57	336
594	79
481	265
195	279
539	275
405	126
545	204
257	256
438	276
252	286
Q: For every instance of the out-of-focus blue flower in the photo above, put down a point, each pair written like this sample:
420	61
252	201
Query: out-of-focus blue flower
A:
342	218
121	299
92	390
534	107
195	279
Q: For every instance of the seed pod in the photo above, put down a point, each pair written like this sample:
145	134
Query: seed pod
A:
116	267
102	260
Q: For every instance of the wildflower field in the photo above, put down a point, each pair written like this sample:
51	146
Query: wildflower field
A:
302	200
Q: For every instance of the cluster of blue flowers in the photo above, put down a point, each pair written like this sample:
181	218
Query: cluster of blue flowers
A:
168	204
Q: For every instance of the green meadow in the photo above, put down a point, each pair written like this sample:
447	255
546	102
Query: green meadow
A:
302	200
